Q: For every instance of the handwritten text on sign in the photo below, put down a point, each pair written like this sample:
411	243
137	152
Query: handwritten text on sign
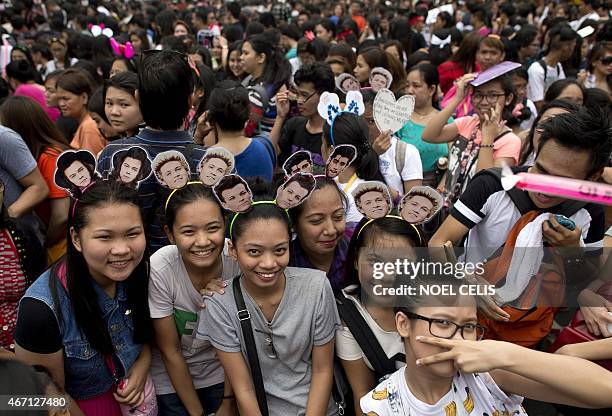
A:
391	114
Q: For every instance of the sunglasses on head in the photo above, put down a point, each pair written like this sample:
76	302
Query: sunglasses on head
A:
58	40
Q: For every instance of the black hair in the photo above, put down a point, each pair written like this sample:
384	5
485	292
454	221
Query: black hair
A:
142	35
254	28
556	88
79	284
165	81
271	211
587	129
437	54
319	74
277	69
26	52
449	21
429	73
328	25
321	182
205	81
21	70
124	81
203	52
527	147
365	234
234	46
292	31
133	152
561	32
186	195
353	130
228	106
316	47
131	66
96	104
596	97
508	87
43	49
525	37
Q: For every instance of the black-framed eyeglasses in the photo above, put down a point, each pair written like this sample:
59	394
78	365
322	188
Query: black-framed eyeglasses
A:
269	349
491	98
443	328
295	96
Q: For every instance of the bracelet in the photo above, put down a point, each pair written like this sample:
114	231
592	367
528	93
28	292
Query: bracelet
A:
487	145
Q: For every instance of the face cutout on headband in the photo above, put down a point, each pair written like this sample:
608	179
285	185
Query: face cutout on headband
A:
340	158
346	82
216	163
130	166
295	190
75	170
299	162
420	204
380	78
171	169
234	193
372	199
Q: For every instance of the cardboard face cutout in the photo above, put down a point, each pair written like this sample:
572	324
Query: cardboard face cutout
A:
216	163
295	190
380	78
298	162
234	193
340	157
372	199
171	169
130	166
75	171
346	82
420	204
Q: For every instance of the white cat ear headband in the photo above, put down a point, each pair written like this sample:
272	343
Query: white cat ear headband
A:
329	108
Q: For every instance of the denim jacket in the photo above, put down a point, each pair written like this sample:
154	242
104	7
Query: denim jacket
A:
86	372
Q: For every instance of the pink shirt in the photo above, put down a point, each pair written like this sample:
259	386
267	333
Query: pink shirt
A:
507	146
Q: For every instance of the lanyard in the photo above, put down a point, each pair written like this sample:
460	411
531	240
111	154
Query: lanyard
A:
349	183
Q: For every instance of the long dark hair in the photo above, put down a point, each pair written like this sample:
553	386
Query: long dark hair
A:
466	54
527	147
79	284
277	69
27	117
353	130
365	233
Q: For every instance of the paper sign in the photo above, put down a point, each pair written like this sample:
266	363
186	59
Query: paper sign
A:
390	114
494	72
432	15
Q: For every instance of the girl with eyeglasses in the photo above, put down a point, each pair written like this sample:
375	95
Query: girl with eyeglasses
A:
188	376
449	371
481	141
292	314
384	239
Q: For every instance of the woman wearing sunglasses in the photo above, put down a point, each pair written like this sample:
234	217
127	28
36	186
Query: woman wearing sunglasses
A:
600	67
450	371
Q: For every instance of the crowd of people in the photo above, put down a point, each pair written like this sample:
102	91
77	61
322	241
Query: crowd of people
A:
196	197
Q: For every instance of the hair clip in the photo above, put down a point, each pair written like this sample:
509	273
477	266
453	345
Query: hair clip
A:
309	35
126	50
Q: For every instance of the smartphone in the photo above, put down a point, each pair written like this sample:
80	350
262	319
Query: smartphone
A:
564	221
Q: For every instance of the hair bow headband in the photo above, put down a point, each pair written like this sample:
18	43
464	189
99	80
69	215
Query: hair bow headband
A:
126	50
440	43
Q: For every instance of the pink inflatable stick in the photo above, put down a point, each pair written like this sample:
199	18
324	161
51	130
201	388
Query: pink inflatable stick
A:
599	193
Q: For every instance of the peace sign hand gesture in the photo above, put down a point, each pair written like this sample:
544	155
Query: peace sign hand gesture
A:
469	356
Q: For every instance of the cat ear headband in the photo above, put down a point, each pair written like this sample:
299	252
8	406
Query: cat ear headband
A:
98	30
126	50
329	108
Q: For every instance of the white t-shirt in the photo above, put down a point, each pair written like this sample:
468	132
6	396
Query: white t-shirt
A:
469	394
347	347
413	169
526	124
537	86
352	215
171	293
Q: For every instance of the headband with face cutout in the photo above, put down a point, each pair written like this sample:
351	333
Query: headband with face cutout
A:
75	171
130	166
420	204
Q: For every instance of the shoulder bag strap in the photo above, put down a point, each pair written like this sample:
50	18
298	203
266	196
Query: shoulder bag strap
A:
400	157
247	332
